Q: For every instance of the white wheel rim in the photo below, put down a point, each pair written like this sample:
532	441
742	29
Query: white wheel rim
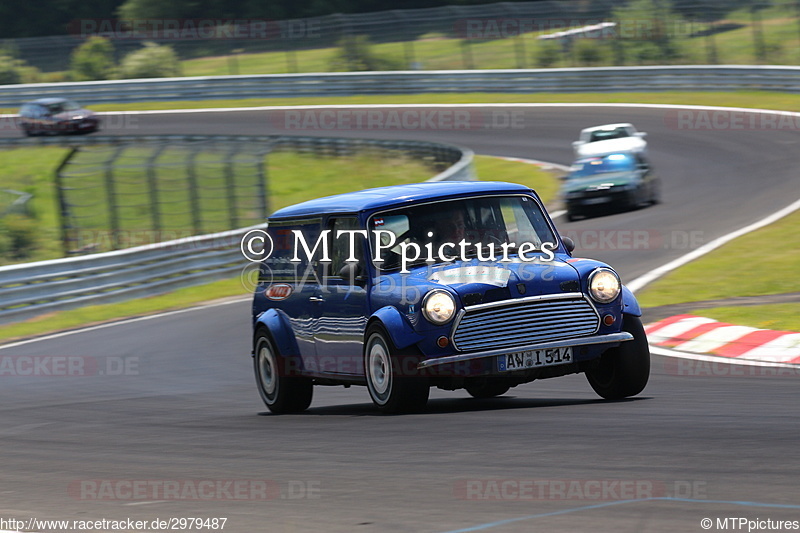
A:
379	367
266	366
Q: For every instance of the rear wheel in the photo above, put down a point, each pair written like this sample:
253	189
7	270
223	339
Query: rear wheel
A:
623	371
281	392
655	198
393	380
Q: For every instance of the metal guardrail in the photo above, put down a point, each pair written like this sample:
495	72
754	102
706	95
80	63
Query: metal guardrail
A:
31	289
597	79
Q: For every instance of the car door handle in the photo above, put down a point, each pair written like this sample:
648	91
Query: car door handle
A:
316	300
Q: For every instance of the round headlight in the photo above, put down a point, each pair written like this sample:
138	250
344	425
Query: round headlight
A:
604	285
438	307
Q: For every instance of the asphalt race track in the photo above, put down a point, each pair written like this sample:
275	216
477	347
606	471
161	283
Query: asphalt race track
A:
700	442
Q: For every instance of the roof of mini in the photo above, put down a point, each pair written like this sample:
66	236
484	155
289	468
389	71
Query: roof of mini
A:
395	196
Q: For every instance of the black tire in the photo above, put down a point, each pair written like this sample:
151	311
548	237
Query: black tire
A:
623	371
486	389
655	198
281	392
395	385
634	199
572	216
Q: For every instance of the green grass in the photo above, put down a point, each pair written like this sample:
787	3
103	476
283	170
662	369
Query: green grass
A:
32	170
432	52
497	169
435	51
783	317
334	176
292	178
295	178
766	261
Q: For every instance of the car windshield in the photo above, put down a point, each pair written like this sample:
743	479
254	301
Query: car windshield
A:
611	164
604	135
60	107
484	224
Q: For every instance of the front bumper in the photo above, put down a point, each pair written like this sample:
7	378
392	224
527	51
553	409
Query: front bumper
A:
612	338
598	200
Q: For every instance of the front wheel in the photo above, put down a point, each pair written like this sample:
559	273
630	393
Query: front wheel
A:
281	392
393	380
623	371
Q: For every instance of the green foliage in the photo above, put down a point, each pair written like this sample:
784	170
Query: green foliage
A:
18	236
152	61
93	60
355	53
16	71
589	52
646	29
548	53
157	9
9	73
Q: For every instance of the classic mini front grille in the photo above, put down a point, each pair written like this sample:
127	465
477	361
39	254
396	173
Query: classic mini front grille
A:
524	321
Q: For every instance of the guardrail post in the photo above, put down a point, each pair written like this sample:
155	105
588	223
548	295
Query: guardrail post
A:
152	183
466	54
194	199
63	208
261	170
797	6
111	195
711	45
291	61
230	185
519	50
758	36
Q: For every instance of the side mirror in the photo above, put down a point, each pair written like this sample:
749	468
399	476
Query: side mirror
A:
569	243
351	271
641	134
575	144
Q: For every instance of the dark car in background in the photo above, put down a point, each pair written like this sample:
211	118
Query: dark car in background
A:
54	116
611	181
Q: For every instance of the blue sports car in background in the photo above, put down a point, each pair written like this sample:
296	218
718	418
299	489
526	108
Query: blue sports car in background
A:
612	181
452	284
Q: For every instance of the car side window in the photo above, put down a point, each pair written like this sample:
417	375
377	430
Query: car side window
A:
340	247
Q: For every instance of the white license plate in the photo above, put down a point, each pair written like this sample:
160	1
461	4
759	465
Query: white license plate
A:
534	359
600	200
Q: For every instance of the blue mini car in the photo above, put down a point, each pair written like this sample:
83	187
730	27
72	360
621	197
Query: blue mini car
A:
452	284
